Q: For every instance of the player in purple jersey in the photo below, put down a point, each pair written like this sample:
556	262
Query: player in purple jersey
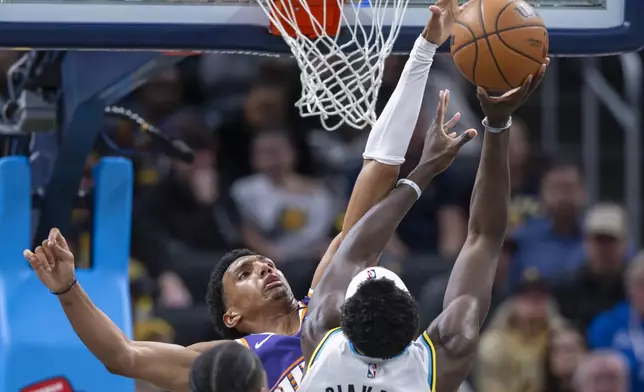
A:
249	299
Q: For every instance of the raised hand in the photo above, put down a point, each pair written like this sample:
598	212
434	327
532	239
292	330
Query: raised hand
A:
439	27
53	262
441	148
499	109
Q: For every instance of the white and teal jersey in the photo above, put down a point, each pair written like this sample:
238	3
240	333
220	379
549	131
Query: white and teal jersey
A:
337	366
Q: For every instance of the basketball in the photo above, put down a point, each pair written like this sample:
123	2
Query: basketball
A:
496	44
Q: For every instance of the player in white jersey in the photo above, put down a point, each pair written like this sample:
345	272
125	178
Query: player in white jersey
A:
375	347
411	370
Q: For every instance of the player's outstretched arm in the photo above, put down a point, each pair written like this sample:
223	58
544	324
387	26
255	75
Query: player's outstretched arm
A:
165	365
389	139
467	298
364	243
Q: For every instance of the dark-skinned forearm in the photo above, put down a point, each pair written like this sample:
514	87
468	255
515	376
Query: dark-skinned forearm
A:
475	268
99	334
368	238
491	195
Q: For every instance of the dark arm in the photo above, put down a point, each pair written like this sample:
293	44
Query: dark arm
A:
165	365
467	298
361	248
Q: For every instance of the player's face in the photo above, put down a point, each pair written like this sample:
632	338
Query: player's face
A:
251	282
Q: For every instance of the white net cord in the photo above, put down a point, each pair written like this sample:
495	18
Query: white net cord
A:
341	71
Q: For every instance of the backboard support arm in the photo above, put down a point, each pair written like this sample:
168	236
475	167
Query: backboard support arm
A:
90	81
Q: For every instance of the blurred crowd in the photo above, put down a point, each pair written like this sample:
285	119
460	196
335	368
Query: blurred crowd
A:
568	304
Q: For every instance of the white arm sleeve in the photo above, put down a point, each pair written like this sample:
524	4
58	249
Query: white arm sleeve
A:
390	136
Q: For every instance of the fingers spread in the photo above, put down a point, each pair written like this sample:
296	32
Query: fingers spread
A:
440	110
466	137
452	121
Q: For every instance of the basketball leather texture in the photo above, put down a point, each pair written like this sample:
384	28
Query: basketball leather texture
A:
496	44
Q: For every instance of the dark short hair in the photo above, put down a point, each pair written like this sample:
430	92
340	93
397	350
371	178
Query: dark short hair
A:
380	320
227	367
215	297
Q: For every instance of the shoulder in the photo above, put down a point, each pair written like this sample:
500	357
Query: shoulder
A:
305	301
612	318
425	346
333	339
602	329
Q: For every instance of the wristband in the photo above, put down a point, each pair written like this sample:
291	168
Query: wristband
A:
411	184
71	286
496	130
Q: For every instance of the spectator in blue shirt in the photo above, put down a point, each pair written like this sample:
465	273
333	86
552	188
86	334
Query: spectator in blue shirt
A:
622	328
552	242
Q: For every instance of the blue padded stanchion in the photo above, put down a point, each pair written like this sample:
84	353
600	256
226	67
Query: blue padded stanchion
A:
15	213
38	344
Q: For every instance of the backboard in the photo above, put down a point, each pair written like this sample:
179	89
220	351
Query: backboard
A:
577	27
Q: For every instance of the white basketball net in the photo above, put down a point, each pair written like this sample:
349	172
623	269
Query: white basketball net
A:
341	73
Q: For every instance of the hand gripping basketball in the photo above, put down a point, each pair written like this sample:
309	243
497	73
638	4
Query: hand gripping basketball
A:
53	263
439	26
496	44
499	109
441	147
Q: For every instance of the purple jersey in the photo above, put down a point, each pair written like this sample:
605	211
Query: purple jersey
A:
281	355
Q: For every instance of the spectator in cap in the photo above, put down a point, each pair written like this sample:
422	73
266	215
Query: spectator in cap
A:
228	367
511	354
598	285
622	328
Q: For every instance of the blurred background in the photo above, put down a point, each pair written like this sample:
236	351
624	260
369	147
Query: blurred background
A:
569	296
